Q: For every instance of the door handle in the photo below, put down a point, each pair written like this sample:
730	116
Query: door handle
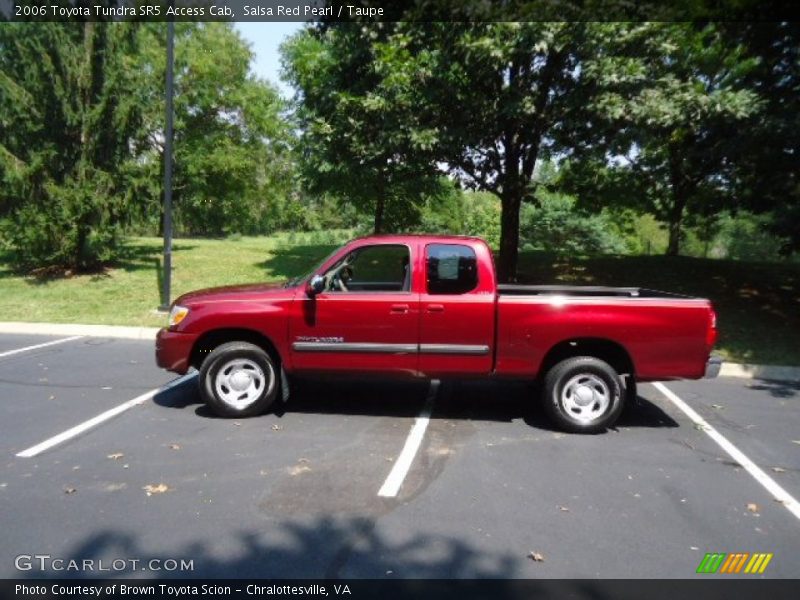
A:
435	308
399	309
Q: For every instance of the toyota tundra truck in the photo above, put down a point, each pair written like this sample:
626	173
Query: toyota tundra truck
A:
424	306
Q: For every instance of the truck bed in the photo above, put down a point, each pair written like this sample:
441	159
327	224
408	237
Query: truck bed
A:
583	290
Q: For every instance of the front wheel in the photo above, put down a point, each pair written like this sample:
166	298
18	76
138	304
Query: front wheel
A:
583	395
238	379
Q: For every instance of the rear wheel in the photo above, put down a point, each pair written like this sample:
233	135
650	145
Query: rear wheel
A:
239	379
583	395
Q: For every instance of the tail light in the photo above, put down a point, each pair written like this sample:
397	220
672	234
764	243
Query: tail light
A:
711	332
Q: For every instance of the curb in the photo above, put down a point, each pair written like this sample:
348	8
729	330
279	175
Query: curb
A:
107	331
729	369
748	371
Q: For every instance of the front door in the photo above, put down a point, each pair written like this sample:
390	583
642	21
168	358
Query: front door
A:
366	319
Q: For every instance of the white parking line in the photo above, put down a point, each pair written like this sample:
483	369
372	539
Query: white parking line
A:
27	348
93	422
398	473
778	493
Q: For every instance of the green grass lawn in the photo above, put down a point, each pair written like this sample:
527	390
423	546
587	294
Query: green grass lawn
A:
758	303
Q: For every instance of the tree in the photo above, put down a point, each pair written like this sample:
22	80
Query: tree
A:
232	146
767	170
497	93
670	102
361	136
70	112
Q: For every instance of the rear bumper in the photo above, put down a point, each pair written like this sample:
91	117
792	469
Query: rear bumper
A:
174	349
713	366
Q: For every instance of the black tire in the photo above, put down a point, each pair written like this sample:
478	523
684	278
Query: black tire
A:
243	361
591	381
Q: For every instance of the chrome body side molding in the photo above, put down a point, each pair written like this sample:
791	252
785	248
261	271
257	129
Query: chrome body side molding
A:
372	348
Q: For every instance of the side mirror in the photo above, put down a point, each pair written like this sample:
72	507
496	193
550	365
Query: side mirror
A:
316	285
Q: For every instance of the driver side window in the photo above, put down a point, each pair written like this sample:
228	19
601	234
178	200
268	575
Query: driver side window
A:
380	268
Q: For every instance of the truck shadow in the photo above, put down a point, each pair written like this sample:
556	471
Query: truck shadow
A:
508	401
498	401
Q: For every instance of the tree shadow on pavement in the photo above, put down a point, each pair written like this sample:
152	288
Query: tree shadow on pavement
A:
323	547
777	389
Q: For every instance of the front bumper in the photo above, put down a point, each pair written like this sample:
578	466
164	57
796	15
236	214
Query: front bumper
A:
713	366
174	350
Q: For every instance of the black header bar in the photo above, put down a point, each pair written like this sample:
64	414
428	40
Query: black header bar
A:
399	10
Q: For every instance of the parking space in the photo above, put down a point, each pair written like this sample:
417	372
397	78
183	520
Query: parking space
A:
295	493
11	344
47	389
760	417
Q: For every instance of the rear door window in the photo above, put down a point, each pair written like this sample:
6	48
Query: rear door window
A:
451	269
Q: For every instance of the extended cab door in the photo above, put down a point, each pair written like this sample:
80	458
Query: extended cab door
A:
366	319
457	310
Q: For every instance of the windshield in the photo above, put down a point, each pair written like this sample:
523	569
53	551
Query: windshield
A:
302	278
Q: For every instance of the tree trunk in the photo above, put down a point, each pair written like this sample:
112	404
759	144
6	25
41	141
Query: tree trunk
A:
509	237
380	204
680	194
81	252
674	246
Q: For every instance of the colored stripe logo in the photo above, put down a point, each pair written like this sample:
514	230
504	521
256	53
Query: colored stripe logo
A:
736	562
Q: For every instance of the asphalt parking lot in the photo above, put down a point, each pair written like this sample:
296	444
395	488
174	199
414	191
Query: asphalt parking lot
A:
295	493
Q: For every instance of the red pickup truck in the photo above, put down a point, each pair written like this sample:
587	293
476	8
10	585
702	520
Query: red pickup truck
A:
430	307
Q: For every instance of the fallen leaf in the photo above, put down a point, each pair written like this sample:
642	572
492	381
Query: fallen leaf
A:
174	446
70	490
115	456
299	470
277	427
563	509
752	507
778	470
154	488
536	556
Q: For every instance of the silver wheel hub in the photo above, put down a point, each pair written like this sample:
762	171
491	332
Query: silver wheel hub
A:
585	397
241	381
